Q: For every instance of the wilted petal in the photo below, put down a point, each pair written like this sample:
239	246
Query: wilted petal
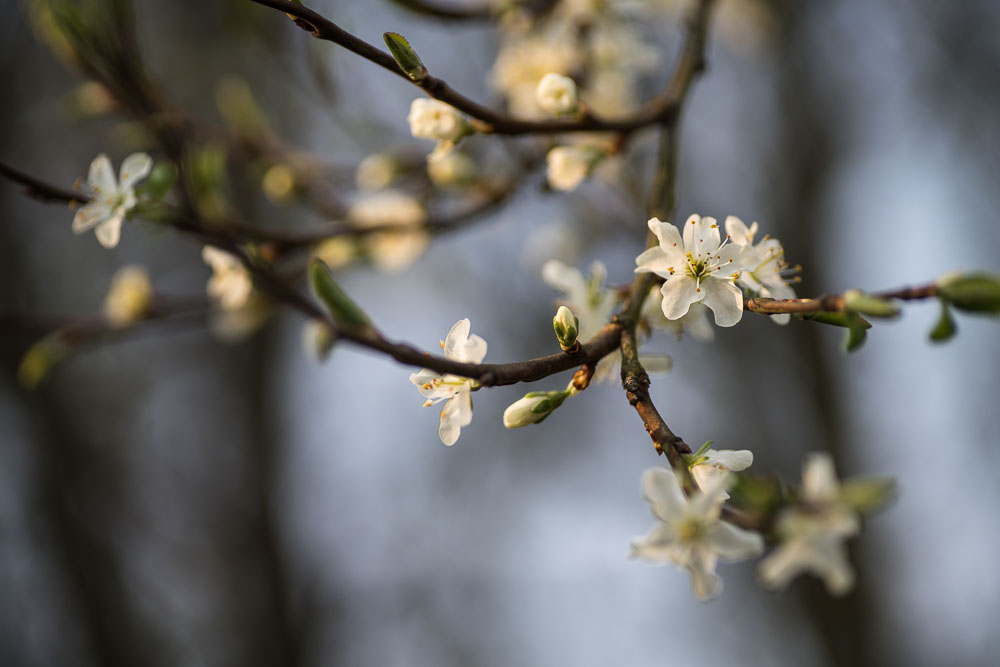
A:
663	493
725	300
135	168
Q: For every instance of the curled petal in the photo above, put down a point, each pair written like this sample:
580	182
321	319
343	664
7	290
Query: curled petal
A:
134	168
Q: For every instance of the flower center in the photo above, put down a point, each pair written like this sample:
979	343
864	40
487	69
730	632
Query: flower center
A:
690	530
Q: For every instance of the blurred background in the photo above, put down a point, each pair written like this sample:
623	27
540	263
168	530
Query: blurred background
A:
167	498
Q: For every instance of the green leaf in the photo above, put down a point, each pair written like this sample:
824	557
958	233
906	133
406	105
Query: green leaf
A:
857	332
160	180
405	56
973	292
344	311
868	495
867	304
945	327
833	319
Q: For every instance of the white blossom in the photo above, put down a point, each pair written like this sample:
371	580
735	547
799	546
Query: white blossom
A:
813	533
130	296
453	390
689	533
569	166
432	119
700	267
763	264
695	322
557	94
230	283
110	200
396	249
712	464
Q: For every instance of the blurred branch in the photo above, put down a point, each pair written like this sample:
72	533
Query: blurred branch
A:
40	190
448	12
660	109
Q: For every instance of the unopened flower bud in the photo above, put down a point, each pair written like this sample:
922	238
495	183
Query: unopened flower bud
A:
557	94
431	119
566	326
533	408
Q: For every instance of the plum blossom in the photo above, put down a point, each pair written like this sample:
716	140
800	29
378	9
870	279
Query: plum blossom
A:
391	250
699	268
813	533
711	464
763	264
695	322
230	283
110	200
689	533
455	391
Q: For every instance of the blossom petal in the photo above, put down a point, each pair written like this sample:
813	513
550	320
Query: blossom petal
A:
725	300
101	176
457	337
659	545
456	413
819	480
679	292
666	233
733	459
89	215
474	350
705	583
701	235
697	324
564	278
733	543
134	168
652	260
663	493
738	232
109	231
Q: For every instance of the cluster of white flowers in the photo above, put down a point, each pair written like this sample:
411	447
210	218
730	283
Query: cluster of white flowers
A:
603	40
433	119
453	390
691	535
699	266
110	200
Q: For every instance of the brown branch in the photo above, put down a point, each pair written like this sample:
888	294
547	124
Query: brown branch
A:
658	110
40	190
833	303
635	380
